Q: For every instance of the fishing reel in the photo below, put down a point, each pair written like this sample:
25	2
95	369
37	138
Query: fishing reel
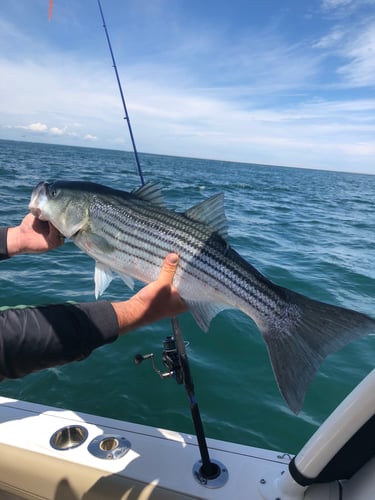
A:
208	473
170	358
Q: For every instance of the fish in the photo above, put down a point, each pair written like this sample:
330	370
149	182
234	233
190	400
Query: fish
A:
130	233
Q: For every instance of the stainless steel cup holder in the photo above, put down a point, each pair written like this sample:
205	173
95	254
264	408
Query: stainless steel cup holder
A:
68	437
109	447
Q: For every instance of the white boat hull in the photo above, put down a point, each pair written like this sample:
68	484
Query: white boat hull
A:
102	458
158	464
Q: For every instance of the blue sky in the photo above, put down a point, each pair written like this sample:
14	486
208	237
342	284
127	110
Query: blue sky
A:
272	82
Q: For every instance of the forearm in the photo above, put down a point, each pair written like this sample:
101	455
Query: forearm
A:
10	242
128	318
13	242
32	339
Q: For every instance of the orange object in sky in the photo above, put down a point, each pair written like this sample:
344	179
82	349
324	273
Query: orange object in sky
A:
50	10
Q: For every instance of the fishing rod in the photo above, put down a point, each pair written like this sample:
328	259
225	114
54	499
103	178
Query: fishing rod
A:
126	117
207	472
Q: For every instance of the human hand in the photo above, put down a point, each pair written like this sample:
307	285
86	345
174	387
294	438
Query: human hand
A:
33	236
156	301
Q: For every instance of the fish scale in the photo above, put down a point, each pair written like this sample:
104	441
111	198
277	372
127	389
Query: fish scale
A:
131	233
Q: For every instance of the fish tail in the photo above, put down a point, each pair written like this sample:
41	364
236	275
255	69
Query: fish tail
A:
300	338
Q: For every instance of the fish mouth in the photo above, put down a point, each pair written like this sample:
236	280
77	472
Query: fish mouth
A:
38	200
36	212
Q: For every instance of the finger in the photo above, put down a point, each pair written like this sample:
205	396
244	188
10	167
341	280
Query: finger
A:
169	268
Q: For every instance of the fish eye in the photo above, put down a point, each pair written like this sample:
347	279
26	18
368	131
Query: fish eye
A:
53	191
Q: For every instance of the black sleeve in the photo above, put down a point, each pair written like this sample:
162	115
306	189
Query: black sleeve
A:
35	338
3	243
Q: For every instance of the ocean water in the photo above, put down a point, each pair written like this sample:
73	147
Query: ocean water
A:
311	231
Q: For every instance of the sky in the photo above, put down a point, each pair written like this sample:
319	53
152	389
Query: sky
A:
275	82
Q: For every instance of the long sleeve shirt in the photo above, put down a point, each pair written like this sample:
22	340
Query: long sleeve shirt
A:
34	338
3	243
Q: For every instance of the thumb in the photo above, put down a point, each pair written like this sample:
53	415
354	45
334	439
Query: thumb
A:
168	269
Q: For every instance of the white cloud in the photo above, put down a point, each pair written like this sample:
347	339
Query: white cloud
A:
334	4
353	46
42	128
34	127
57	130
360	51
330	40
89	137
345	6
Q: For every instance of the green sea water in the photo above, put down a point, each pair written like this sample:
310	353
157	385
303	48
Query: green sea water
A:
311	231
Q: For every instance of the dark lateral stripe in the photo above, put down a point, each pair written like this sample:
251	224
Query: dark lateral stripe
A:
201	251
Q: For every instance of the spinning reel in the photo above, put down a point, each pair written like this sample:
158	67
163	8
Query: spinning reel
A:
170	358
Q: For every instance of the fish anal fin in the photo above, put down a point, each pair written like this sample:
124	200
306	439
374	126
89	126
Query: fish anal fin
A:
204	312
128	280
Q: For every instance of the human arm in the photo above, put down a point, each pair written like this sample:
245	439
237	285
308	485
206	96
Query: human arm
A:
32	339
31	236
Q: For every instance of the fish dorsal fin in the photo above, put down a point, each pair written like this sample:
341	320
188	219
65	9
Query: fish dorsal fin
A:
150	192
211	212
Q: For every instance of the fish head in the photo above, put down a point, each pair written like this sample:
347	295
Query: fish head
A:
62	204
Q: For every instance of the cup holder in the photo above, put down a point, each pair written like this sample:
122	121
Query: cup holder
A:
109	447
68	437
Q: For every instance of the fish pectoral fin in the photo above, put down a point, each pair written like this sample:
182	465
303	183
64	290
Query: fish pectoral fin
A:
128	280
204	312
100	243
103	277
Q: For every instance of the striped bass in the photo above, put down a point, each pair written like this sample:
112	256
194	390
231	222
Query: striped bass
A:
131	233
